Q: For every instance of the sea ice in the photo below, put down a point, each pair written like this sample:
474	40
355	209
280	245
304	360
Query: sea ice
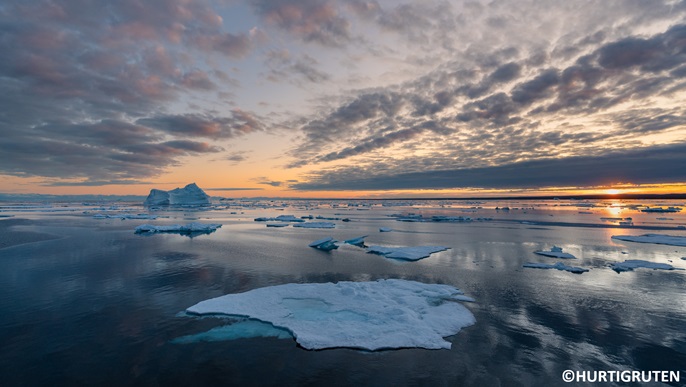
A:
413	253
125	216
555	252
359	241
325	244
385	229
280	218
631	264
315	225
558	266
383	314
245	329
659	239
277	224
190	195
189	228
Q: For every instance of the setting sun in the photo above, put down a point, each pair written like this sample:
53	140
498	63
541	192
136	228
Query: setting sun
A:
612	191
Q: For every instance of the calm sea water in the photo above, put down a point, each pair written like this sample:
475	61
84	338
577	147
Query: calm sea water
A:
85	301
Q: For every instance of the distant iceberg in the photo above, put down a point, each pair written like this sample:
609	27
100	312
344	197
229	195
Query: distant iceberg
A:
414	253
658	239
558	266
190	195
631	264
325	244
190	228
315	225
383	314
555	252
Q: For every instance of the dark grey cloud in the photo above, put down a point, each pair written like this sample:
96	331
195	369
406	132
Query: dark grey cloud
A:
234	189
638	166
197	125
285	67
94	183
266	181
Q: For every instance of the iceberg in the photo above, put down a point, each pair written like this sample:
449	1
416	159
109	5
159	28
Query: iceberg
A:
658	239
414	253
315	225
383	314
187	229
325	244
631	264
359	241
558	266
555	252
190	195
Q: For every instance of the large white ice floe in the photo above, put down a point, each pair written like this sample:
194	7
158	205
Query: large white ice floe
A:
659	239
190	195
413	253
190	228
382	314
315	225
555	252
558	266
325	244
631	264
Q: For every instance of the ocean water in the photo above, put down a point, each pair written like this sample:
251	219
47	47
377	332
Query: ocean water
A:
86	301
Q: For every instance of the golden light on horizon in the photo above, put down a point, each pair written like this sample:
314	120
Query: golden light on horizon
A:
612	191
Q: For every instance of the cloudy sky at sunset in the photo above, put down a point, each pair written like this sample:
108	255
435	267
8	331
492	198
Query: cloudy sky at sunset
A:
317	98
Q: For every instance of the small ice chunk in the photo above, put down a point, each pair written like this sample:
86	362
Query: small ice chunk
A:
359	241
277	224
659	239
385	229
555	252
631	264
189	228
315	225
558	266
382	314
325	244
413	253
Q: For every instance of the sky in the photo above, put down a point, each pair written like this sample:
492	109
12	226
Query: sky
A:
349	98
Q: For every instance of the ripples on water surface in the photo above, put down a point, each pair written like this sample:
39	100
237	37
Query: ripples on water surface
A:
86	301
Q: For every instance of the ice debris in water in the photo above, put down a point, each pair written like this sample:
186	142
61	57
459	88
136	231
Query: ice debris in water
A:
385	229
413	253
659	239
558	266
555	252
315	225
359	241
382	314
124	216
190	195
178	228
631	264
280	218
325	244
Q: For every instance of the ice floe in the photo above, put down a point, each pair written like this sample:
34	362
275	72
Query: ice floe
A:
315	225
190	195
190	228
631	264
124	216
325	244
659	239
558	266
280	218
661	210
277	224
359	241
555	252
385	229
382	314
245	329
413	253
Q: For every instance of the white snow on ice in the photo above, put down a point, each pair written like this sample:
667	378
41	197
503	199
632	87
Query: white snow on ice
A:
659	239
631	264
555	252
558	266
190	195
413	253
375	315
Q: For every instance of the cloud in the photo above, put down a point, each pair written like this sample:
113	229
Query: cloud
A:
640	166
234	189
283	66
196	125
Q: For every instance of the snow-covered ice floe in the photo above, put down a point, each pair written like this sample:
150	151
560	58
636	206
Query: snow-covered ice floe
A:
413	253
190	228
659	239
383	314
325	244
558	266
631	264
359	241
555	252
315	225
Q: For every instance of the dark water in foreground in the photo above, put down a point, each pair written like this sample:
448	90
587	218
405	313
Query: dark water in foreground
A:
99	305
